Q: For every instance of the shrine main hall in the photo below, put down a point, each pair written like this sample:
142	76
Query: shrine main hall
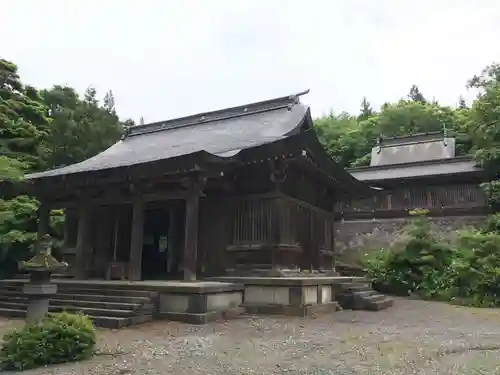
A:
246	190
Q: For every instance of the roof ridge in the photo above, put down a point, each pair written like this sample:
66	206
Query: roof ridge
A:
217	115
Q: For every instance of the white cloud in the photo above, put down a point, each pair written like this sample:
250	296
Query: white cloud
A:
165	59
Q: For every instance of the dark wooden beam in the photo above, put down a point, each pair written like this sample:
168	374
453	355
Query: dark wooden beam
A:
117	198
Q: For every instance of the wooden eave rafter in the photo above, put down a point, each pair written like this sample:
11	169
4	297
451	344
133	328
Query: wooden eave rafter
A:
170	168
306	151
338	180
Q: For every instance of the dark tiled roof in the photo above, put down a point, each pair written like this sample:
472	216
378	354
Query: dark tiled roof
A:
221	133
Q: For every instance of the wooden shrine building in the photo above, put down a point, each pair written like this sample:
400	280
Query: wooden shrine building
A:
244	189
417	171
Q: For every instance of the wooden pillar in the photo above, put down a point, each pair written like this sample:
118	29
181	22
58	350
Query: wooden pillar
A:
191	238
136	241
82	242
277	216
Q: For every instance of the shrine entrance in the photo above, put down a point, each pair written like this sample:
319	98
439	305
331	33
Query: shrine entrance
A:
163	241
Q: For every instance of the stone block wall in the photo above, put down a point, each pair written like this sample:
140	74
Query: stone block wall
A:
354	237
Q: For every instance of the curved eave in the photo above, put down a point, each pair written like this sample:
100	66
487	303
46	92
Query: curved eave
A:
292	146
347	183
196	161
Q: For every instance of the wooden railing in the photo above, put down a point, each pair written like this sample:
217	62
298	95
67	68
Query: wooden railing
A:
252	221
432	198
256	219
284	223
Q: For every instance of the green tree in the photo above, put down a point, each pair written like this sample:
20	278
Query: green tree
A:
342	137
109	102
349	139
24	124
366	110
80	128
24	133
461	103
484	126
416	95
411	117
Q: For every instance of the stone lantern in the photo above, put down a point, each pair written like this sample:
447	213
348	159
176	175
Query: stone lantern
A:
39	288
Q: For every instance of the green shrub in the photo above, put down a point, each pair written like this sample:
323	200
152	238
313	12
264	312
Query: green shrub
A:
386	278
466	273
58	338
479	281
413	265
493	223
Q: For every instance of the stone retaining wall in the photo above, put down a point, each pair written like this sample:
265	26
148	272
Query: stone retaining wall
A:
356	236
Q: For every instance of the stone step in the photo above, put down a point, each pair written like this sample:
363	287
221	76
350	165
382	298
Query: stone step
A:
106	292
116	323
111	306
354	286
374	297
364	293
12	313
361	297
12	287
111	322
380	304
100	297
82	304
134	307
91	311
7	294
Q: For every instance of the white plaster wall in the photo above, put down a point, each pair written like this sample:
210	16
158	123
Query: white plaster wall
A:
173	303
310	295
224	301
267	295
326	293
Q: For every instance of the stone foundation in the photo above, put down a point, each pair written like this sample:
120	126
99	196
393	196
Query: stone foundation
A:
297	296
199	302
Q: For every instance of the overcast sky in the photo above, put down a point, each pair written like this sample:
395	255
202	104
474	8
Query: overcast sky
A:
169	58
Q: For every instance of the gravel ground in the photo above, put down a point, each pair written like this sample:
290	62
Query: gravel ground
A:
412	337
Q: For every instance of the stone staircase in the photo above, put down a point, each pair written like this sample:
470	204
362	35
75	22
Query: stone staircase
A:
357	294
107	306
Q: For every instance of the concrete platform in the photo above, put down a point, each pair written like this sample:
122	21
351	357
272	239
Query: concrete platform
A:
298	296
